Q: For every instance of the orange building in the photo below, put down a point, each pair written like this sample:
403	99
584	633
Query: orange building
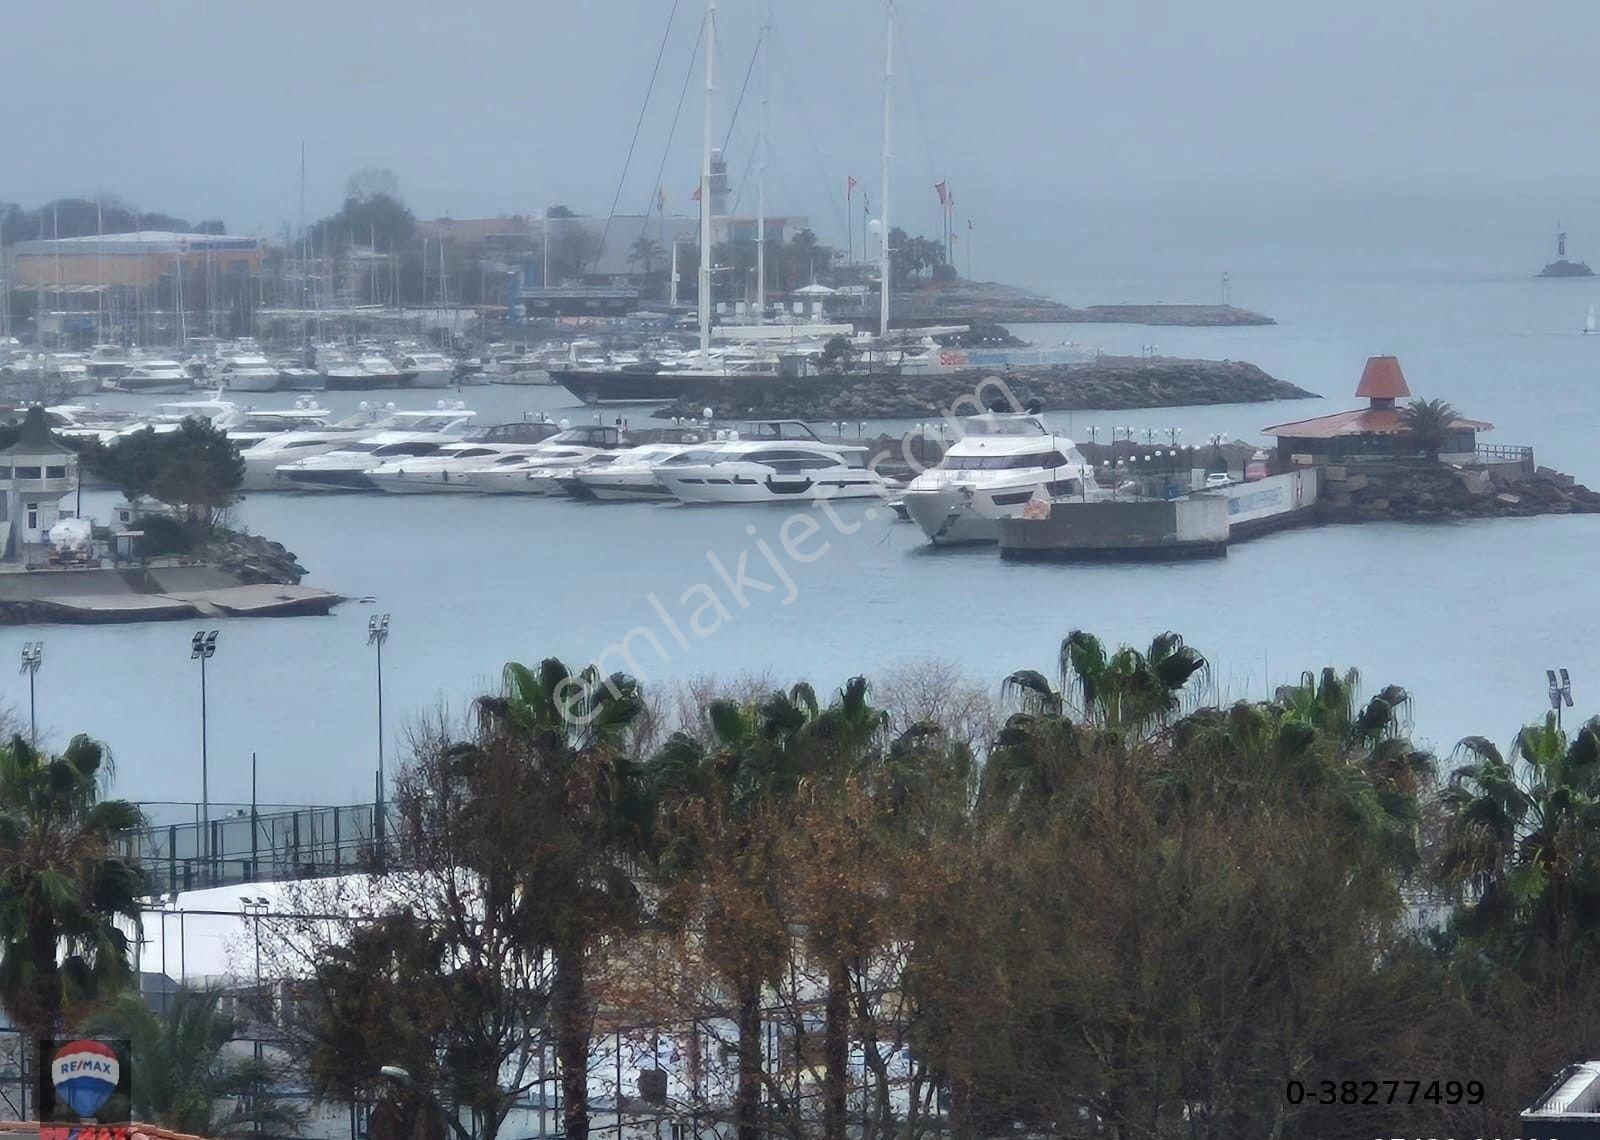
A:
136	260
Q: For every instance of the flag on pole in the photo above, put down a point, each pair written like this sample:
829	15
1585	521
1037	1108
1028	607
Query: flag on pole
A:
849	187
944	199
695	197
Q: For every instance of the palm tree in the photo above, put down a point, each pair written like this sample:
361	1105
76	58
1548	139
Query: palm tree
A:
1429	423
644	253
1520	831
63	883
182	1072
569	730
1123	690
720	803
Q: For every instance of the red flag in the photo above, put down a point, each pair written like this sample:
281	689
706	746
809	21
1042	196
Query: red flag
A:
695	197
849	187
944	199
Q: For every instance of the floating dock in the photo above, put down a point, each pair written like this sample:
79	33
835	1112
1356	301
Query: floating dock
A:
158	594
1160	530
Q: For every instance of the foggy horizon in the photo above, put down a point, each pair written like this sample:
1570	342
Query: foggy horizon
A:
507	109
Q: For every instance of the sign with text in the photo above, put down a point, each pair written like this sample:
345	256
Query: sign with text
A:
83	1080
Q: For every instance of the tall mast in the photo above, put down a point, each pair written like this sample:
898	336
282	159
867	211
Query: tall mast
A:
705	187
761	171
883	248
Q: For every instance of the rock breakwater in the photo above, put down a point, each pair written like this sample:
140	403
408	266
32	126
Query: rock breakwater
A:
1108	383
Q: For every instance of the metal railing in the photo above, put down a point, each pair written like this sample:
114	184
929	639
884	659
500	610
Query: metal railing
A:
1507	453
258	846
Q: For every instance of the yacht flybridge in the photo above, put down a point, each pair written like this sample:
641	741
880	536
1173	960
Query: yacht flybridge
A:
1001	461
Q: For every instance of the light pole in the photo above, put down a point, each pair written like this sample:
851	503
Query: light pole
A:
1560	692
377	634
254	908
202	646
399	1077
32	658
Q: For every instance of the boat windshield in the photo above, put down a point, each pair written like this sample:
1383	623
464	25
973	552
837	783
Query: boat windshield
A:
1001	423
1004	462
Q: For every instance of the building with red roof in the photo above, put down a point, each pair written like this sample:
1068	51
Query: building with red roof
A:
1377	431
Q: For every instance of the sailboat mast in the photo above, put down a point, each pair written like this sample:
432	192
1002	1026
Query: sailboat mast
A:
761	171
883	247
705	187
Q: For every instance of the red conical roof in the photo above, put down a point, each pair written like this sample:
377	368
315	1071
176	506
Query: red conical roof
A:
1382	379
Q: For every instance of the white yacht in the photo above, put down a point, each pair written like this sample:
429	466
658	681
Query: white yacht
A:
781	461
263	458
253	425
450	468
107	361
155	376
423	369
246	372
1000	462
410	435
631	476
544	467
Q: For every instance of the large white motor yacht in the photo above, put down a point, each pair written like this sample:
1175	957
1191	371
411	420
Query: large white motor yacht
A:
780	461
631	476
450	468
411	435
247	372
1000	462
543	469
421	369
156	376
277	449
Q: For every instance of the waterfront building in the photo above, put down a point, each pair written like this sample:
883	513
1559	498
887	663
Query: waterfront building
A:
36	473
1376	432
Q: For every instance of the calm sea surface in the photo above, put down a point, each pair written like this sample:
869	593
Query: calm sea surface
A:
1467	616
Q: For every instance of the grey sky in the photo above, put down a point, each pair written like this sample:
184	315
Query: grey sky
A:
200	108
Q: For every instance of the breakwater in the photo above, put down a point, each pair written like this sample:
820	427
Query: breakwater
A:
956	302
1107	383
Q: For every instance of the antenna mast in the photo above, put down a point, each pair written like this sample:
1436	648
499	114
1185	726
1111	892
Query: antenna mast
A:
705	188
883	248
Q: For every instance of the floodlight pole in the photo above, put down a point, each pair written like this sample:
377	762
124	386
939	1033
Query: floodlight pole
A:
32	658
201	647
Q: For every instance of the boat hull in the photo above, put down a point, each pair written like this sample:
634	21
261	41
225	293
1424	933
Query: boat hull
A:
735	488
327	479
430	378
423	483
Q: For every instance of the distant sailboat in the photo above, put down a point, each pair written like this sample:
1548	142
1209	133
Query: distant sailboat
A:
1588	322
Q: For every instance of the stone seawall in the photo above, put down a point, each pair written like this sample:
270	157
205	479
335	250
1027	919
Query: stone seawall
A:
1437	493
1110	382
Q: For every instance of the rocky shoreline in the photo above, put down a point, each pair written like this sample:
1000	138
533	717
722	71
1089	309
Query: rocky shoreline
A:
1107	383
1422	494
952	302
251	559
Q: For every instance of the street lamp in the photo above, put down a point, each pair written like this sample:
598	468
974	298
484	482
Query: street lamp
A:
255	908
399	1077
1560	692
32	658
202	647
377	634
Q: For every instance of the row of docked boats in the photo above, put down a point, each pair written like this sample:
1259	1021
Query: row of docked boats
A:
999	463
771	461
